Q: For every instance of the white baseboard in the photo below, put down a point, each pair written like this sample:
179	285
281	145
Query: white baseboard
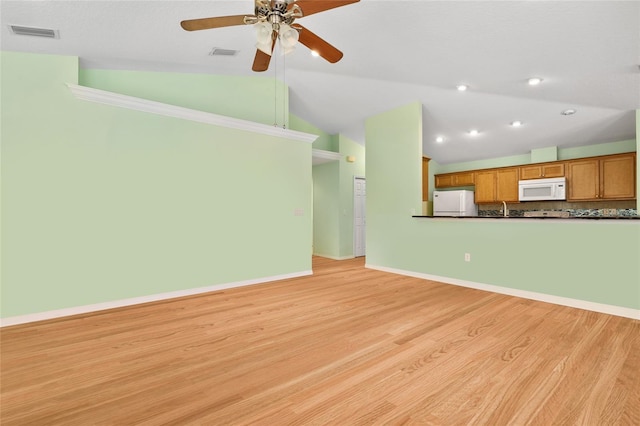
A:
525	294
334	257
41	316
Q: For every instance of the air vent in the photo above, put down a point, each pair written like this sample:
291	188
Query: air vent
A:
216	51
32	31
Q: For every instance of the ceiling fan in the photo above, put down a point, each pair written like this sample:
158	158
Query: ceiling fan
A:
274	20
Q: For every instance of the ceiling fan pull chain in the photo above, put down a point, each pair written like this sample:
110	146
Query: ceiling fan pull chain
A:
284	90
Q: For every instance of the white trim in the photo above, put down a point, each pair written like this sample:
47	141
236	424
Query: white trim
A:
153	107
557	300
41	316
321	154
334	257
353	215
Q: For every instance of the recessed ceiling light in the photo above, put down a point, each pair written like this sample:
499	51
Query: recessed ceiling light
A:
534	81
314	54
439	139
474	132
516	123
569	111
462	87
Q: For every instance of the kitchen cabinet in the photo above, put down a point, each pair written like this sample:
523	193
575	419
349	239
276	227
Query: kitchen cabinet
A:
611	177
507	185
485	186
425	178
542	171
497	185
448	180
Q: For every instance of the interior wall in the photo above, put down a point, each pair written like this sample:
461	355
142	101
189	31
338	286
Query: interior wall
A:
394	181
259	99
326	206
324	141
101	203
593	261
348	171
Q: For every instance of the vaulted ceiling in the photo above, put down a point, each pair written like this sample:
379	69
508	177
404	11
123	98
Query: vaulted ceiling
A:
395	52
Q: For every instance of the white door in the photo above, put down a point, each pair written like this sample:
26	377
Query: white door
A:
359	216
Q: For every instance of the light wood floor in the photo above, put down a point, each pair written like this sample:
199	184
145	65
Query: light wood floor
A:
346	346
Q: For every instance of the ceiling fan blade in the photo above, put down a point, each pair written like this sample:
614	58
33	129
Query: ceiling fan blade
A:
215	22
317	44
309	7
261	60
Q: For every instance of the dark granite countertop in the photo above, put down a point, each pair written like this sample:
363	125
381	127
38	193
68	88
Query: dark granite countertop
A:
535	217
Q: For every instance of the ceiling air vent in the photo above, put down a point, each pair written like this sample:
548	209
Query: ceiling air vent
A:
32	31
216	51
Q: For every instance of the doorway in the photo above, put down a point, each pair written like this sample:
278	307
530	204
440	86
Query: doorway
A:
359	216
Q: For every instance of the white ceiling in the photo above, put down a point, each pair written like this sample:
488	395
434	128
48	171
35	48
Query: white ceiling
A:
395	52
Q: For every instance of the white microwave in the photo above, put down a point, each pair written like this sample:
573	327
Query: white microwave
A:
542	189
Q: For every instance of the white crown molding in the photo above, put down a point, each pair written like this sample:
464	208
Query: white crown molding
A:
620	311
320	156
138	104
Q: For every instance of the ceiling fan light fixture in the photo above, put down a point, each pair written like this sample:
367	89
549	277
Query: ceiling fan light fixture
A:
315	54
288	37
534	81
263	35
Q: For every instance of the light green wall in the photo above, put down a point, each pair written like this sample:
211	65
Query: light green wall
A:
324	141
481	164
394	180
326	207
594	261
541	155
333	201
348	171
598	149
101	203
259	99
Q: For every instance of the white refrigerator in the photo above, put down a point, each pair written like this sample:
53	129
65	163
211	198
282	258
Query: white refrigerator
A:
454	203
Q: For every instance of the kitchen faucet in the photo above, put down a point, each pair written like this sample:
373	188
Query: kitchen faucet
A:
505	210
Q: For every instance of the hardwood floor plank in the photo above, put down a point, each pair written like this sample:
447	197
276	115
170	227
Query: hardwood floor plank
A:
345	346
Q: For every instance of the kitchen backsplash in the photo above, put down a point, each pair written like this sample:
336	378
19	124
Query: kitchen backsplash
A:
614	208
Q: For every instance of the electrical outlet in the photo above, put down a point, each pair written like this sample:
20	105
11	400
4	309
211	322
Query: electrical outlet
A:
467	257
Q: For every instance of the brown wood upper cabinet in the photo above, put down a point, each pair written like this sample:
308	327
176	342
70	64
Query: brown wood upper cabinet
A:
542	171
449	180
611	177
425	178
497	185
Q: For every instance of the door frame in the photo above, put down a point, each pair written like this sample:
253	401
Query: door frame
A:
355	228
